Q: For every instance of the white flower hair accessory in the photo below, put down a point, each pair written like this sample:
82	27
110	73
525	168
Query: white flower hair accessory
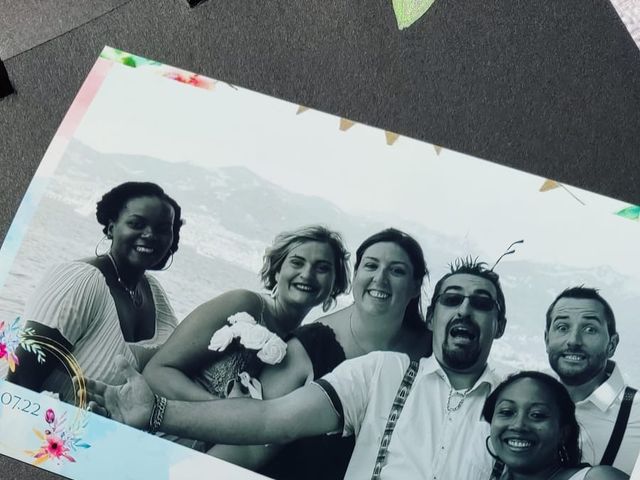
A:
221	339
241	317
271	349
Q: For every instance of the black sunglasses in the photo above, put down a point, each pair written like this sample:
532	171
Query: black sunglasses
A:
478	302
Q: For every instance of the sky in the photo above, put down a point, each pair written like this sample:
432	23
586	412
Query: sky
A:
487	204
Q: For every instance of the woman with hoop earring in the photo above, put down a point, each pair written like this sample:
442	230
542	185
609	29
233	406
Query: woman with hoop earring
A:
102	306
535	434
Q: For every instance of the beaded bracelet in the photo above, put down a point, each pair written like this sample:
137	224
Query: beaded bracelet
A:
157	413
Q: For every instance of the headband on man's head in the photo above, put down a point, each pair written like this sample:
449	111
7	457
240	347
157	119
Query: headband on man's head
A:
508	251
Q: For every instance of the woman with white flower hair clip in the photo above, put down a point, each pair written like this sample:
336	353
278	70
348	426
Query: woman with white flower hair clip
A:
389	271
228	339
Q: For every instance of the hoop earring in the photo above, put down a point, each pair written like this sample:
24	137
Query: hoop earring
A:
328	304
274	291
166	267
563	454
486	444
95	250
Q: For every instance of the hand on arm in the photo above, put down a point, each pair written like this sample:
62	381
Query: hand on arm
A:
185	352
29	373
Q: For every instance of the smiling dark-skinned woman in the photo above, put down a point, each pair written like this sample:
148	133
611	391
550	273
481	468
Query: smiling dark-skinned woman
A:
534	432
102	306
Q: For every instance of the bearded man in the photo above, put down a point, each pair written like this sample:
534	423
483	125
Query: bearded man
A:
412	420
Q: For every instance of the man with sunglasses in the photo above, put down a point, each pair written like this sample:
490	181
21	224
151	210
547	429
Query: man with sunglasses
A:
581	339
412	420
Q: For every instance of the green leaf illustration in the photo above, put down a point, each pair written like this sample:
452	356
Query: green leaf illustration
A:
632	212
408	11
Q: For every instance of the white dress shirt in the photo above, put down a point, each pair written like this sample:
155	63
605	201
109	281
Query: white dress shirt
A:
430	440
597	415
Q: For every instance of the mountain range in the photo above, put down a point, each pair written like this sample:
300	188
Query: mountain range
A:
232	214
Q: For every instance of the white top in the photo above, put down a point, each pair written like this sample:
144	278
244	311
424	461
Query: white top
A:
597	415
428	442
74	299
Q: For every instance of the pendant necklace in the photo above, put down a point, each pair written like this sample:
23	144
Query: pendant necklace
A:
134	293
455	393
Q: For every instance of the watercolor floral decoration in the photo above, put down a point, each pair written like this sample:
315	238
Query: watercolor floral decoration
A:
242	326
59	440
172	73
14	335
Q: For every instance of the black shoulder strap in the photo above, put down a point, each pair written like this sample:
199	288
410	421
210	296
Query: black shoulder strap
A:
619	428
496	471
396	409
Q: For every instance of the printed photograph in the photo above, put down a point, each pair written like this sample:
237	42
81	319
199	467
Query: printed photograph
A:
308	297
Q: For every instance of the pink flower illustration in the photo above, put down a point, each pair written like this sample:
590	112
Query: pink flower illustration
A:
59	439
55	447
14	335
190	79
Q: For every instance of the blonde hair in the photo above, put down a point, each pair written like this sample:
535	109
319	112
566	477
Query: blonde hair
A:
286	241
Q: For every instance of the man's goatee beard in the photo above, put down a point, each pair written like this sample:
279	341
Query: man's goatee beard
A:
461	359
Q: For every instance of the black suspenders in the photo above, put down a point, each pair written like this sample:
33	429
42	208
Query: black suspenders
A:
396	409
619	428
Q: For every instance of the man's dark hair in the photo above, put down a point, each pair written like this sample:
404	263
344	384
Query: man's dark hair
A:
472	266
585	293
